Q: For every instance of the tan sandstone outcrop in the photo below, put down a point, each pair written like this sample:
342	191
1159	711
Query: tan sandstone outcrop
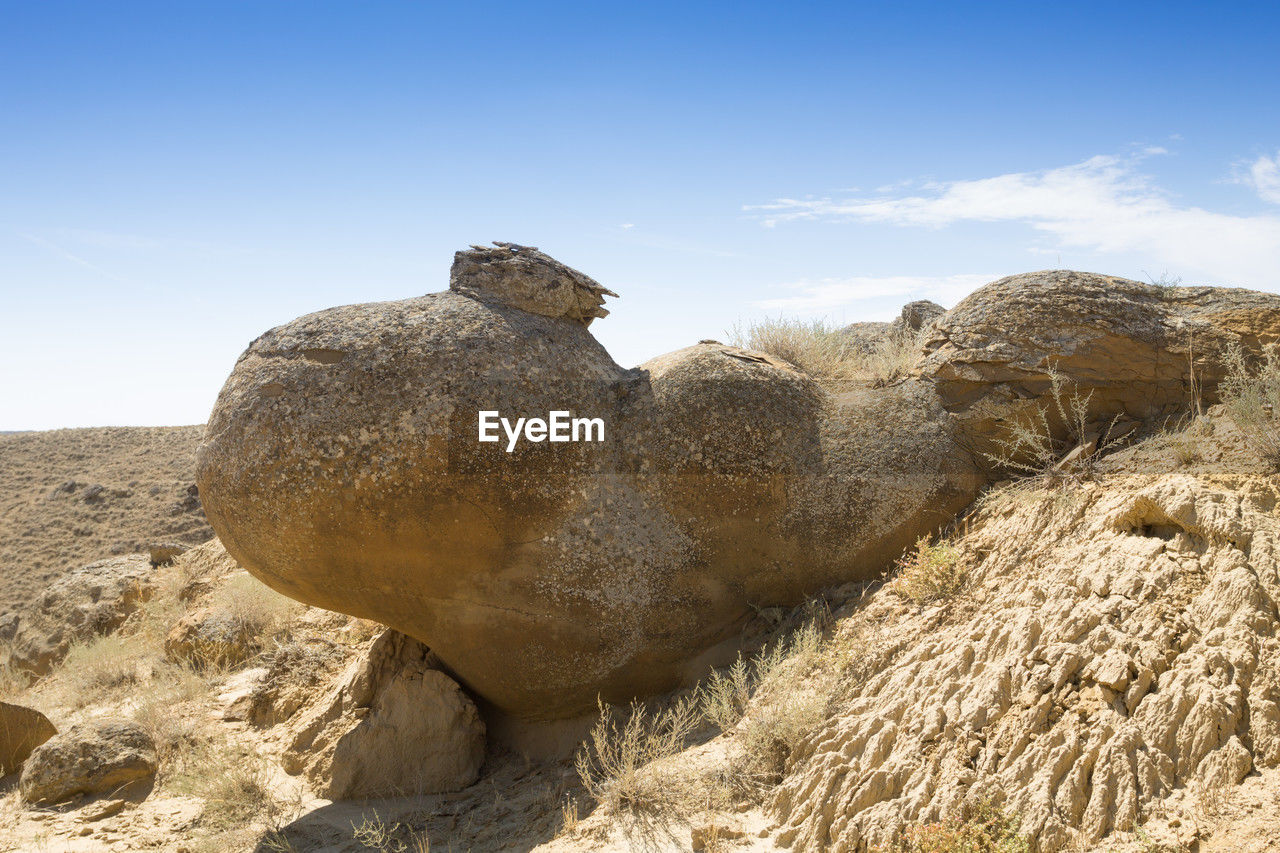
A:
341	466
1131	346
22	729
102	755
1117	647
395	725
85	602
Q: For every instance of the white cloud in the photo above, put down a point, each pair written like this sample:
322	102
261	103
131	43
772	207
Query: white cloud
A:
1104	204
1264	177
824	295
626	225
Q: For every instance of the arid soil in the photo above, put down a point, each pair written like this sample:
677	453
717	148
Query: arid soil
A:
70	497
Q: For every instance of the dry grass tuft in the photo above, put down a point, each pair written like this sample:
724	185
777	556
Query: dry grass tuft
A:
810	345
104	667
373	833
262	612
930	572
623	764
1251	397
828	354
233	782
13	681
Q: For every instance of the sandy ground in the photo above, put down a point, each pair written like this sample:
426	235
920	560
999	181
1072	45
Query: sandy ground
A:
72	496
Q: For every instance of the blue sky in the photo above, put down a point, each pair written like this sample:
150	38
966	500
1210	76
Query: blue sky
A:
177	177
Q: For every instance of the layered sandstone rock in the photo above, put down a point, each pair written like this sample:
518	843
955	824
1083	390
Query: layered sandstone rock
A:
1136	349
342	467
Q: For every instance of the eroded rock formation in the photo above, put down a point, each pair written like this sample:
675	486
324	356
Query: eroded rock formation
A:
1117	648
341	466
85	602
1131	348
394	725
102	755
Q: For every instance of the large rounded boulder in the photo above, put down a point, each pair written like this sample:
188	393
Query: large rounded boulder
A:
343	466
1120	346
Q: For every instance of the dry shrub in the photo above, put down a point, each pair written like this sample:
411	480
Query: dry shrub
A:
776	727
828	354
772	701
725	694
1030	449
373	833
1251	397
929	572
984	828
622	765
795	682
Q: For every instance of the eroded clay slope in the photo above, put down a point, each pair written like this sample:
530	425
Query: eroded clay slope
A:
1117	647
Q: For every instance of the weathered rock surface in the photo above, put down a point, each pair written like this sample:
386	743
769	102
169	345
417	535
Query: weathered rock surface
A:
1128	344
1117	647
95	599
22	729
341	466
914	317
525	278
103	755
395	725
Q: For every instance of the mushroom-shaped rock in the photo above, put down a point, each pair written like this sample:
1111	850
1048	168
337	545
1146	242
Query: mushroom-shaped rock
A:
343	466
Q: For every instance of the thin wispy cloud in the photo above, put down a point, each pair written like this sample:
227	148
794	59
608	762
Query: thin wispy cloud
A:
1105	204
70	256
822	296
1264	177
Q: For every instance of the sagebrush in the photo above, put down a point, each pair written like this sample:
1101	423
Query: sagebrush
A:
1251	396
928	572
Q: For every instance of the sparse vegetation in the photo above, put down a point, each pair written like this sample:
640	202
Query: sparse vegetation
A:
257	608
779	696
984	828
1185	441
929	572
373	833
1251	396
1165	282
829	354
623	765
1032	448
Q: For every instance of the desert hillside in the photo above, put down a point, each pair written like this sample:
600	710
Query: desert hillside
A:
72	496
